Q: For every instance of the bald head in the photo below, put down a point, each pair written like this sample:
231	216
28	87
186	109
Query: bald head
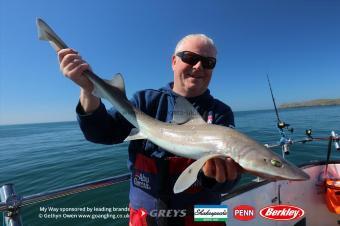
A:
202	38
191	78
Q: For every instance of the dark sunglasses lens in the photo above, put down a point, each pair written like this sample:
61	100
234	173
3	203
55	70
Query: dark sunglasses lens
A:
209	63
190	58
193	58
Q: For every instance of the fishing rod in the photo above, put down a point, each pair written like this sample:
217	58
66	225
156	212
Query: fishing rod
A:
280	124
286	141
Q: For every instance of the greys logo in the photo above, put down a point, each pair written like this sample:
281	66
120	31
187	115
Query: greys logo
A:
168	213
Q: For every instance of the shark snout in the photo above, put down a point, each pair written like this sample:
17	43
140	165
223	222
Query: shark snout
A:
296	173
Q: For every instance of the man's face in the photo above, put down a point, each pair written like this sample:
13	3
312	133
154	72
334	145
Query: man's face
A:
192	80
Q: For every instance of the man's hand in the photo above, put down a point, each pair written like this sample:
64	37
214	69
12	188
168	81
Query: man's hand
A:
72	66
221	169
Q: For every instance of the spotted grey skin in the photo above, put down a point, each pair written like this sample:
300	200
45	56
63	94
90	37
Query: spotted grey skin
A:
189	135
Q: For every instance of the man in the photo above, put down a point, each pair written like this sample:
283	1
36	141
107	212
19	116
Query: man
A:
153	170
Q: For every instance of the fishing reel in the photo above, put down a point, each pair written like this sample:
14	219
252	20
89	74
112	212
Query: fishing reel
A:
281	125
285	141
309	137
308	133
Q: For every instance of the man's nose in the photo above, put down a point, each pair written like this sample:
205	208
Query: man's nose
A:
198	65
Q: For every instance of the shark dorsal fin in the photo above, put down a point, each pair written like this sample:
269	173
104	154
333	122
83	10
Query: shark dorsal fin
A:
117	81
185	113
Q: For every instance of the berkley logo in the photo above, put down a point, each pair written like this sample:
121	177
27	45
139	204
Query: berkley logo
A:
244	212
282	212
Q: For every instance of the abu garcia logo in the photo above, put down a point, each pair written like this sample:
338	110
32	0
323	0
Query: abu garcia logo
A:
142	181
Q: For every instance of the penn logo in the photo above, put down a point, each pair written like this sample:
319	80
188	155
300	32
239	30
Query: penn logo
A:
282	212
244	212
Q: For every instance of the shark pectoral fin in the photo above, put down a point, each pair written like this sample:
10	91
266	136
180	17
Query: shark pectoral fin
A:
96	92
184	112
117	81
135	134
189	175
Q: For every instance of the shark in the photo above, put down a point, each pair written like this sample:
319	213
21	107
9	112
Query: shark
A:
188	135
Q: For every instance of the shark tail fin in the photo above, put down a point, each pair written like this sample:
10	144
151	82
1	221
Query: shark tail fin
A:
117	82
46	33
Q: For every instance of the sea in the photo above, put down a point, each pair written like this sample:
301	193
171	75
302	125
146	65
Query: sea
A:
38	158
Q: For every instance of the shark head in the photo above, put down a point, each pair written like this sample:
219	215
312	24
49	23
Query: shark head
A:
265	163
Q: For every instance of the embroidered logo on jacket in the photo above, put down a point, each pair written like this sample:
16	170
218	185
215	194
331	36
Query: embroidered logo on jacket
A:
142	181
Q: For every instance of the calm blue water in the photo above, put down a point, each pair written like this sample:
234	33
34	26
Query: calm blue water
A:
42	157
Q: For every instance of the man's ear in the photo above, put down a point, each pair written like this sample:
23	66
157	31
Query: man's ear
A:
173	62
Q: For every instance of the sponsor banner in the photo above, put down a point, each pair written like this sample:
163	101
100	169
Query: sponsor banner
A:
205	213
282	212
244	212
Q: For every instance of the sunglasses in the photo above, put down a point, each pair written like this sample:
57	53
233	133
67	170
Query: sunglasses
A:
193	58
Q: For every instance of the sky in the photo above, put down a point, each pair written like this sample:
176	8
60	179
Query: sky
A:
296	42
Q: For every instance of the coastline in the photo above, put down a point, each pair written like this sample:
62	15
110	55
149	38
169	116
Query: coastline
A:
311	103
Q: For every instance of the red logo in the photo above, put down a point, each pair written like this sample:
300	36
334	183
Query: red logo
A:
244	212
282	212
141	212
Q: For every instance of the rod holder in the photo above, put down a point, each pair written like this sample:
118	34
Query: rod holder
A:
335	138
13	201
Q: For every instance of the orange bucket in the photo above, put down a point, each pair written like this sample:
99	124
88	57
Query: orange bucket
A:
333	195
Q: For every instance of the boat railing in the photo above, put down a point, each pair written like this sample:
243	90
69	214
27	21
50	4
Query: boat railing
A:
11	202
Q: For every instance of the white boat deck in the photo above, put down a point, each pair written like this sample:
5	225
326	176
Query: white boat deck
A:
308	195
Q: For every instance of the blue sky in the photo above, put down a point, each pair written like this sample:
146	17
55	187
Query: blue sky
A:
297	42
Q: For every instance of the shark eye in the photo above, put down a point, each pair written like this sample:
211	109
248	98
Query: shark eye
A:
276	163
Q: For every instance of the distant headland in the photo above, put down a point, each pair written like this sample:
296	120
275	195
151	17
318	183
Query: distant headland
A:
311	103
